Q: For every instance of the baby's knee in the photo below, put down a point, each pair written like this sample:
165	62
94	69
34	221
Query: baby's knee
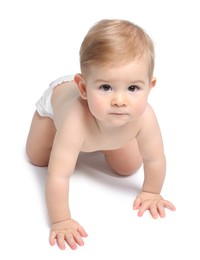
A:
123	168
38	162
34	159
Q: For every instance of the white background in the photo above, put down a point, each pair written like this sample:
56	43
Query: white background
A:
39	42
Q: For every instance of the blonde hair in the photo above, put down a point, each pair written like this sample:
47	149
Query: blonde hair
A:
113	42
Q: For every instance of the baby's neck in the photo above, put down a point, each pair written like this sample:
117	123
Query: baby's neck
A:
106	128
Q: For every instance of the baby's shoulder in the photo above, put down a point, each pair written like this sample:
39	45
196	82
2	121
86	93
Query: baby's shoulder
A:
73	114
149	114
149	123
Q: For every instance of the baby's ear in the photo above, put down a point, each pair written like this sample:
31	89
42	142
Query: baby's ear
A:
153	83
80	82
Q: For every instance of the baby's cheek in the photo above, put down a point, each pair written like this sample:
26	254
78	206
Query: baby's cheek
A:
97	106
139	108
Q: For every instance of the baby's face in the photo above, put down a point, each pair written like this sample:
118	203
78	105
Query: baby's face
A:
117	95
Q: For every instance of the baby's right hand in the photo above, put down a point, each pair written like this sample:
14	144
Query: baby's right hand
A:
68	230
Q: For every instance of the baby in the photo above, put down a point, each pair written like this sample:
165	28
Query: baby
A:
104	108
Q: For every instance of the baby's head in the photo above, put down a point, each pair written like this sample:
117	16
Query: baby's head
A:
114	42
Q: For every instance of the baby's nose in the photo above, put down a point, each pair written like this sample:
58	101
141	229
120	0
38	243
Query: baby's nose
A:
119	100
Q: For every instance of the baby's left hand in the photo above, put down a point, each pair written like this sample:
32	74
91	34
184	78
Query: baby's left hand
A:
152	202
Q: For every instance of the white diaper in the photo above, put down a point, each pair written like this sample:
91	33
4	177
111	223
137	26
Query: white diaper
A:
43	105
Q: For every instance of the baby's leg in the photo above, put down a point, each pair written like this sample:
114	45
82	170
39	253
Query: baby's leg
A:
40	140
126	160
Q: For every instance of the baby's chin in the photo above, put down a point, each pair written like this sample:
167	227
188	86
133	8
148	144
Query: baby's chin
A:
117	121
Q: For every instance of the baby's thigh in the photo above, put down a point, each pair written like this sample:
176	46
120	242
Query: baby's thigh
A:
40	140
126	160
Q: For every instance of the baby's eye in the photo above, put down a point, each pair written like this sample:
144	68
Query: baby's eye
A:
133	88
106	87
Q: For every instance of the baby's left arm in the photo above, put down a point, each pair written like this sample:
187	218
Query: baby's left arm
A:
151	147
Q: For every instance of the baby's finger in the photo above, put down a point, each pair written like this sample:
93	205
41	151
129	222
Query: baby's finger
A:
161	209
61	241
137	203
52	238
143	208
169	205
82	231
70	241
78	238
153	210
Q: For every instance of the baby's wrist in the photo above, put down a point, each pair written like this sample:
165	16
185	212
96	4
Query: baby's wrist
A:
151	192
59	221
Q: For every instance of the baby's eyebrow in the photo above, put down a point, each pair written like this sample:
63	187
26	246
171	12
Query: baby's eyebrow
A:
131	82
137	81
102	80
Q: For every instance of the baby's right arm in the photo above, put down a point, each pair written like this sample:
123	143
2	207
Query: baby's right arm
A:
63	228
61	165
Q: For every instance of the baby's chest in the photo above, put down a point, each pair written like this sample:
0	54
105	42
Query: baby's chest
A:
111	141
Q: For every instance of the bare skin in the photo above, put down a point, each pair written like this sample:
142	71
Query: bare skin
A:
106	111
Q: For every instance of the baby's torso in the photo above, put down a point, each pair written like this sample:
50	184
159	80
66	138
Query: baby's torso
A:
103	142
66	100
